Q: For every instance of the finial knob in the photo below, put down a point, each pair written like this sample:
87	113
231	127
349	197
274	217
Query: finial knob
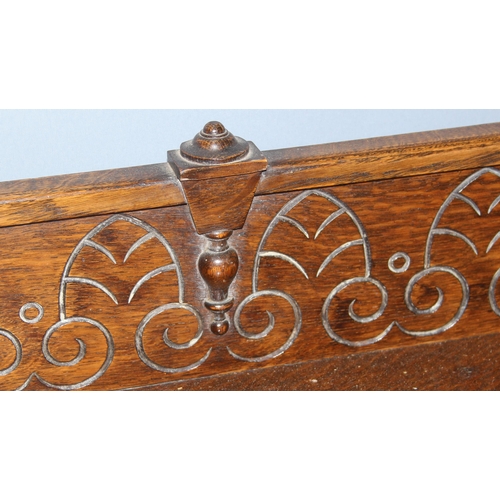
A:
214	129
214	144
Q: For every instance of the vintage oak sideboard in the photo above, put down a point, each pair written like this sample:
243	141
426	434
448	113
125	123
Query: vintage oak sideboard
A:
362	265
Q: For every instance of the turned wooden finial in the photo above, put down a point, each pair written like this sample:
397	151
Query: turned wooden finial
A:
214	144
218	266
219	174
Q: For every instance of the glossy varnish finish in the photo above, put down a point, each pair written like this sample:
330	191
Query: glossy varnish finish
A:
152	186
387	283
80	195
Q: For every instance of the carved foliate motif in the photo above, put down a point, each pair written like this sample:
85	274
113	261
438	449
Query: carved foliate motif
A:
315	240
355	271
76	309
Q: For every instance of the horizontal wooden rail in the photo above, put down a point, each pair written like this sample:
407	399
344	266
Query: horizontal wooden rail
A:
381	158
91	193
155	186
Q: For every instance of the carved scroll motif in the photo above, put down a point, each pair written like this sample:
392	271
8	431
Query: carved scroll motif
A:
398	263
439	228
67	319
18	350
313	217
265	252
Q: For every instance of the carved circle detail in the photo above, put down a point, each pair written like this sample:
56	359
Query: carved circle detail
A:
26	307
397	256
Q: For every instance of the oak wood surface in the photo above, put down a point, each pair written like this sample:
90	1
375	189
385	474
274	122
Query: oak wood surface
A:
369	264
381	158
469	364
153	186
63	197
397	216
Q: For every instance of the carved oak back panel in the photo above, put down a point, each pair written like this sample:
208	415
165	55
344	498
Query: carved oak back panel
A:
355	265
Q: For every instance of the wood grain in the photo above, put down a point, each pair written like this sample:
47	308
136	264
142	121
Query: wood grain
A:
217	204
203	166
365	265
381	158
154	186
397	216
470	364
93	193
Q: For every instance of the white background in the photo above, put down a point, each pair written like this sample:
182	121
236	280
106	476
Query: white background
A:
36	143
225	55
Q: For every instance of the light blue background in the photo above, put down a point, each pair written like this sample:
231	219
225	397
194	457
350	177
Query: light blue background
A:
35	143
